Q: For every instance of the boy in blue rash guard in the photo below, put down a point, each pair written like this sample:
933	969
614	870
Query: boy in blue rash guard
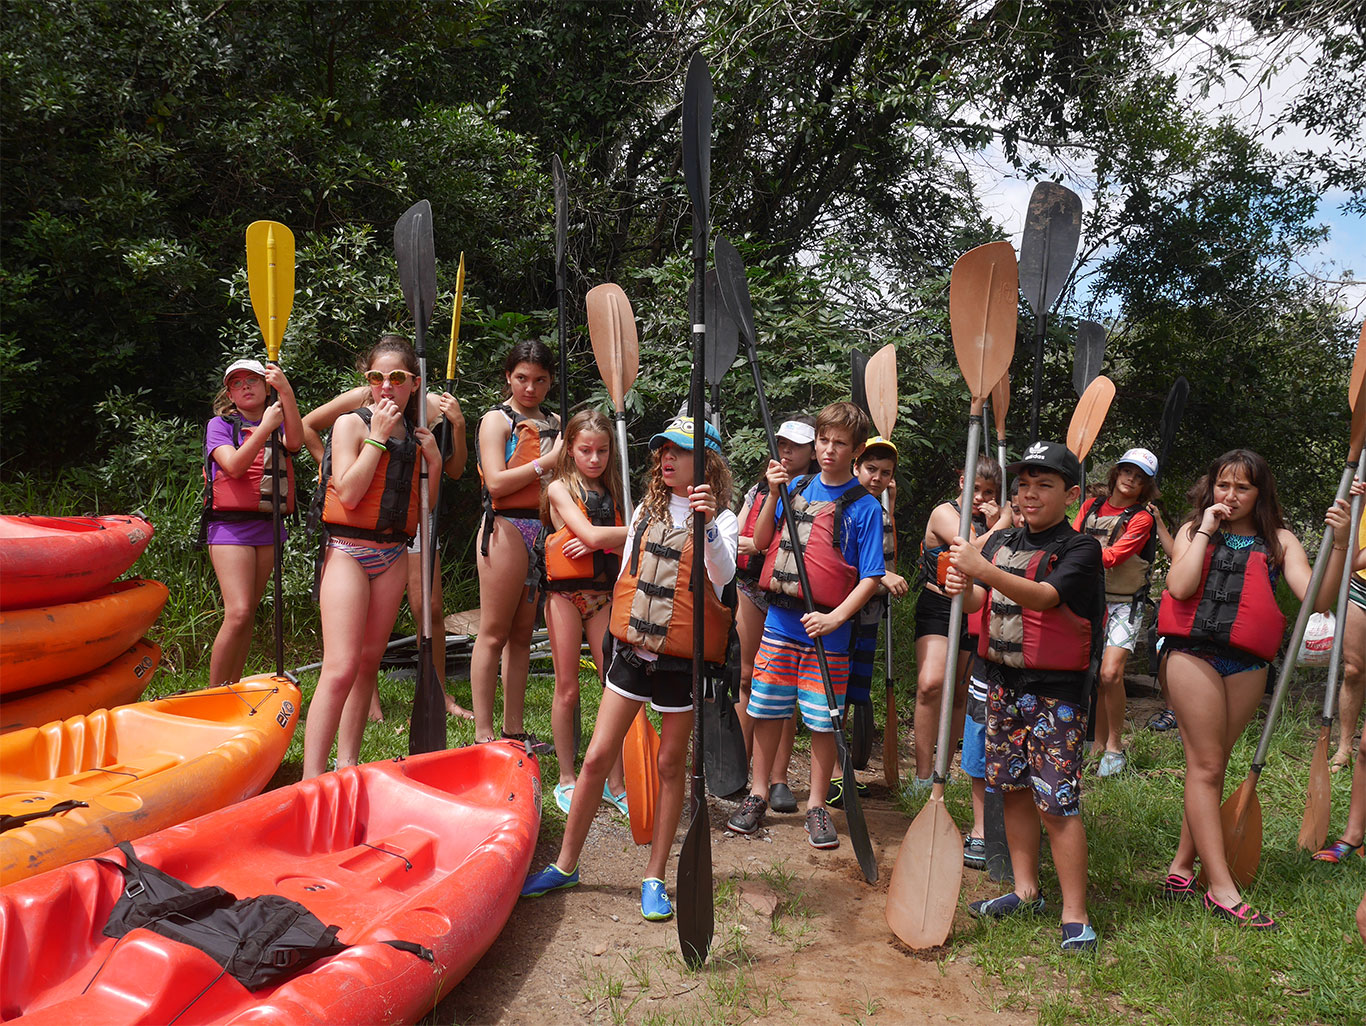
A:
841	527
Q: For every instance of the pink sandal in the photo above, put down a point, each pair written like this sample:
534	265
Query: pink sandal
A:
1179	888
1243	914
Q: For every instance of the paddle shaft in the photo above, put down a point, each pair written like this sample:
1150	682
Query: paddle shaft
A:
891	770
1040	328
1340	632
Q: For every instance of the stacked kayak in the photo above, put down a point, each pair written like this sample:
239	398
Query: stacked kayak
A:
50	560
117	682
71	788
430	850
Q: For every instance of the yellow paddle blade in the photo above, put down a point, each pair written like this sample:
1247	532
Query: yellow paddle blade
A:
879	379
270	279
1318	799
927	878
455	318
984	300
1241	817
612	329
1000	402
640	761
1089	417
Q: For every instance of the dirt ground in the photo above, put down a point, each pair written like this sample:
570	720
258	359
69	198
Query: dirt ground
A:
799	935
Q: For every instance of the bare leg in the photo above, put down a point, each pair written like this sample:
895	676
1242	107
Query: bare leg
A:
1067	839
1110	708
565	626
930	652
614	718
243	572
749	624
979	800
823	755
1353	682
502	591
767	736
596	629
782	761
1355	830
675	730
1022	837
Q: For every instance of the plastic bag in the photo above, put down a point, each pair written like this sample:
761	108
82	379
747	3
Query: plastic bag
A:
1318	640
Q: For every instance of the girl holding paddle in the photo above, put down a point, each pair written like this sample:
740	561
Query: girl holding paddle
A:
583	507
368	504
518	446
237	524
655	664
1221	629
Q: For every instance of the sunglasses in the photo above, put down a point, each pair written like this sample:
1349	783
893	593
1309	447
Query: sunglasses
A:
243	380
396	377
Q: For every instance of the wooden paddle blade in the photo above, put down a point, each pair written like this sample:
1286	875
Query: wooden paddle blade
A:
694	908
880	380
723	334
640	760
456	309
1090	355
561	219
730	279
612	328
416	255
983	307
891	753
1089	417
1241	816
1356	395
270	280
858	379
1318	800
1000	402
697	103
1048	246
927	878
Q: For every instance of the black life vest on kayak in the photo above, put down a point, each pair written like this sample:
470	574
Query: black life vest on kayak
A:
1235	604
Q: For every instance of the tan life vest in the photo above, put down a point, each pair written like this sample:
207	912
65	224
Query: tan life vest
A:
1128	580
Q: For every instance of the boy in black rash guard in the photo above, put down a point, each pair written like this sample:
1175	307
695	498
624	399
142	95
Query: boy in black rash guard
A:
1043	582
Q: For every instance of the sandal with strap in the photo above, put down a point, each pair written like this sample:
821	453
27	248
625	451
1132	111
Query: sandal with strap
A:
1340	851
1243	914
1179	888
1165	720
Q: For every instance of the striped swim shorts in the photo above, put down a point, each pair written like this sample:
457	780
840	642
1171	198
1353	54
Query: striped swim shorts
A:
788	675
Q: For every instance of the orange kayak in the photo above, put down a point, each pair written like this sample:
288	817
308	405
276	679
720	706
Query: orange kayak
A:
51	643
138	768
430	850
48	560
117	682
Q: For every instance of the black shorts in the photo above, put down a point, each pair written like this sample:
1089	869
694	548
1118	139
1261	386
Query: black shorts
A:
667	691
932	617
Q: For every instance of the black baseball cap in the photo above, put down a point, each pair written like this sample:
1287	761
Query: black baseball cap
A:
1052	456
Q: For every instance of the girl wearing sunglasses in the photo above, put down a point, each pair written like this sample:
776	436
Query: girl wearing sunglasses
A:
368	506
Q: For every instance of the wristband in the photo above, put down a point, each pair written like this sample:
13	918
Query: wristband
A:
540	470
1205	533
377	444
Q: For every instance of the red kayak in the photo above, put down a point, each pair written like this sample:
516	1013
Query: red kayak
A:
430	850
50	560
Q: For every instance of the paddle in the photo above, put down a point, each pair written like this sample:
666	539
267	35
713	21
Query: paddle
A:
695	912
730	271
880	380
928	875
1089	356
416	256
1000	403
616	348
561	279
723	741
1172	410
458	304
998	865
1089	416
640	760
858	379
1241	813
1052	230
270	280
859	715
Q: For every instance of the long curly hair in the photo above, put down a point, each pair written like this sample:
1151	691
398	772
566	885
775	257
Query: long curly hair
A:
1267	517
656	498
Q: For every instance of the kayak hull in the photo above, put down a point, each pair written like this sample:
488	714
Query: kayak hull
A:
140	768
49	560
117	682
431	849
52	643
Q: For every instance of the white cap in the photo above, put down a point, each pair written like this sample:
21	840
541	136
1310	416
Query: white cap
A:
255	366
796	431
1142	459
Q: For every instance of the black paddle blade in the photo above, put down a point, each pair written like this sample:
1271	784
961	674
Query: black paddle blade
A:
561	219
734	287
694	910
723	748
1090	354
1052	230
697	102
427	730
1171	417
853	812
858	380
723	335
998	865
417	267
860	717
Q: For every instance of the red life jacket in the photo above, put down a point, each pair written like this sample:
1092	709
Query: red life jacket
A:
248	497
1235	604
1046	639
530	438
594	571
818	528
653	601
748	567
389	510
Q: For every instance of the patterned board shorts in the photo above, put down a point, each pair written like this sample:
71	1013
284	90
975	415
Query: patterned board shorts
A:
1036	743
1123	624
787	674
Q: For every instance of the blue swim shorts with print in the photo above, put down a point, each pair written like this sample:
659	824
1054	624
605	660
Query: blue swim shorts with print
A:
1035	743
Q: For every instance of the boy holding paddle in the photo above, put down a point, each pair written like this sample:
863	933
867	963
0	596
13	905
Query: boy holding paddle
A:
843	550
1043	584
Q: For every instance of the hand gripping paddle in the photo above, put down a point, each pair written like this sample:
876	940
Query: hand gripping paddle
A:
928	875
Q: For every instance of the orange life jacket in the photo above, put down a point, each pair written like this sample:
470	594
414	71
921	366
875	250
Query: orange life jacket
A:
530	438
593	571
653	601
249	497
818	529
389	510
